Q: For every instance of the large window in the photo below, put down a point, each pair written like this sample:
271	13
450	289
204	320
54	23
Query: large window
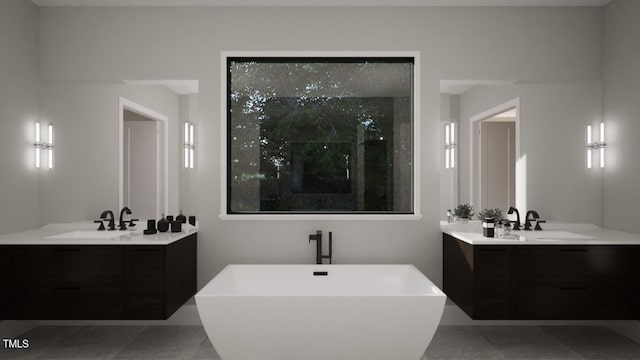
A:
320	135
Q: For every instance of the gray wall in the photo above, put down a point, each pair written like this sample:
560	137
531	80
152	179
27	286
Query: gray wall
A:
185	43
18	115
85	179
622	115
553	119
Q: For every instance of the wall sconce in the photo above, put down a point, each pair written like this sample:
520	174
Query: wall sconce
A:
450	146
41	146
189	147
595	145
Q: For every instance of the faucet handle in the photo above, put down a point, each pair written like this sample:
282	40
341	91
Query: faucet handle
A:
131	222
101	227
516	225
538	225
122	226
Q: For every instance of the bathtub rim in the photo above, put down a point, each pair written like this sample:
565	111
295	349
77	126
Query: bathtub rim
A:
435	291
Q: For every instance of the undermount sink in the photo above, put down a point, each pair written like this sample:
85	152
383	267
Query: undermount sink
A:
556	235
94	234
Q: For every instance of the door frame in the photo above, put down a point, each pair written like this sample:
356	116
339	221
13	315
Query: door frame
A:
475	178
162	121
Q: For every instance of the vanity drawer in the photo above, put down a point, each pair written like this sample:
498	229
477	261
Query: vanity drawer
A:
560	264
65	303
64	265
577	301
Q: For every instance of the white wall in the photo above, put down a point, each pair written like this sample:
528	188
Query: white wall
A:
622	115
185	43
553	119
18	115
85	179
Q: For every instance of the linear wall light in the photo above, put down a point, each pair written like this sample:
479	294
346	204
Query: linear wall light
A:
44	146
450	145
189	147
595	145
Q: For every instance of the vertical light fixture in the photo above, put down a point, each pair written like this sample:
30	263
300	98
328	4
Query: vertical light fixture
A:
601	145
192	148
595	145
450	145
41	146
50	146
38	146
589	147
189	147
453	145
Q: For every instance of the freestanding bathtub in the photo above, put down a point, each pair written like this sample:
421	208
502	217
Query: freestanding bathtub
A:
313	312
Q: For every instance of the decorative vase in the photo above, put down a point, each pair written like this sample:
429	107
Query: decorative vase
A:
181	218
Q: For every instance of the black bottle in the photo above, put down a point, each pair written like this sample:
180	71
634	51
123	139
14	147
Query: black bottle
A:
181	218
163	224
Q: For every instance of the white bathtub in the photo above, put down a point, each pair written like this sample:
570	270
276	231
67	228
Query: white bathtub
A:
284	312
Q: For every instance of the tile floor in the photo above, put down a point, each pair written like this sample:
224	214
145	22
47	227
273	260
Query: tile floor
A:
450	342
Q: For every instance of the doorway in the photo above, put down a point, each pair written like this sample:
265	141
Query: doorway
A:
143	159
497	156
497	168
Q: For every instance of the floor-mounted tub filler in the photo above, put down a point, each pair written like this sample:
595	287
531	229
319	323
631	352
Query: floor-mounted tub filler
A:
314	312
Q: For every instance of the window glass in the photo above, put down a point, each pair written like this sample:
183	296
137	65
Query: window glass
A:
320	135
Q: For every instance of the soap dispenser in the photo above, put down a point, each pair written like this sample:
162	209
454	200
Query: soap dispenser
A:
163	224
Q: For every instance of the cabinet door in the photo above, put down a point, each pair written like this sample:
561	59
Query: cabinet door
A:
458	268
635	280
181	272
145	294
492	282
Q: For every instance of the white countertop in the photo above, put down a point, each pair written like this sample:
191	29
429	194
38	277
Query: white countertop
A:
552	234
42	236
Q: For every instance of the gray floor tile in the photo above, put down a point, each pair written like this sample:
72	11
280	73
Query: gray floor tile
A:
449	342
41	340
460	343
93	342
595	342
206	351
526	343
164	342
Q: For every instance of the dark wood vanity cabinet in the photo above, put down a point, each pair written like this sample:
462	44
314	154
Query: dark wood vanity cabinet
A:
108	282
160	279
3	282
477	278
539	282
